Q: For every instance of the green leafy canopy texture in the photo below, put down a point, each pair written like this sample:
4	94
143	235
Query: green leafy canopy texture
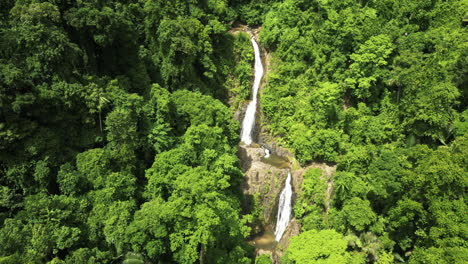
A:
325	246
379	90
118	141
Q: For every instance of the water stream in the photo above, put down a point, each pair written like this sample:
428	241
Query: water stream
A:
267	153
248	123
284	209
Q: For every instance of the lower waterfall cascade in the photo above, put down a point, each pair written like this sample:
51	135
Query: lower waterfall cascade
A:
284	209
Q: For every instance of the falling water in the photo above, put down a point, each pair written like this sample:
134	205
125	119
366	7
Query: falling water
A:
267	153
249	120
284	209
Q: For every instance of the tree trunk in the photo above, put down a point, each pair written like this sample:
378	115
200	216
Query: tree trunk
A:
398	95
100	120
202	253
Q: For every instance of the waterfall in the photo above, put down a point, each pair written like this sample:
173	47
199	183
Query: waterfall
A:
249	120
267	153
284	209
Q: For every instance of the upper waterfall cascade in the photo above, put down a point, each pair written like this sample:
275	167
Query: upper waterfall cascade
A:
284	209
248	123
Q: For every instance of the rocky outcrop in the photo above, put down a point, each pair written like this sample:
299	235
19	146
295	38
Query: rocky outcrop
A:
263	180
294	228
269	142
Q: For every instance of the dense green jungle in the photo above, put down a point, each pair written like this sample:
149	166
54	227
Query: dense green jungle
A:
118	142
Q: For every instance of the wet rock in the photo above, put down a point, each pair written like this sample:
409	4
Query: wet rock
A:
262	180
294	228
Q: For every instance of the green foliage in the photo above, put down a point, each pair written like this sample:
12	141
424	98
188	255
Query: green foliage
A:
379	89
326	246
369	58
386	258
313	219
439	255
115	135
348	185
46	226
92	94
253	12
241	77
314	186
310	203
323	144
358	213
132	258
368	65
263	259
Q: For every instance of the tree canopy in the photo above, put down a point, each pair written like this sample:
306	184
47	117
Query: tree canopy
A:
379	89
118	141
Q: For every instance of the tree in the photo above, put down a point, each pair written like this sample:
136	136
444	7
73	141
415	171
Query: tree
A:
326	246
319	144
439	255
348	186
47	226
368	65
263	259
358	213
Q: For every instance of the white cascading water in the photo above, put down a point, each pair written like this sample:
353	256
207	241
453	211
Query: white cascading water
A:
249	119
267	153
284	209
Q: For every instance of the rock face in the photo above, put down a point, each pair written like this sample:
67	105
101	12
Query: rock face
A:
262	179
265	179
294	228
268	142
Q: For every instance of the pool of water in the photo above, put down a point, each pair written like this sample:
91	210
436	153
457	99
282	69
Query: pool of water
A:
266	240
277	161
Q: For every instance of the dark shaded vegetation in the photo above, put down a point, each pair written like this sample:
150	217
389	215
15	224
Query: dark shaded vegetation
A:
116	138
